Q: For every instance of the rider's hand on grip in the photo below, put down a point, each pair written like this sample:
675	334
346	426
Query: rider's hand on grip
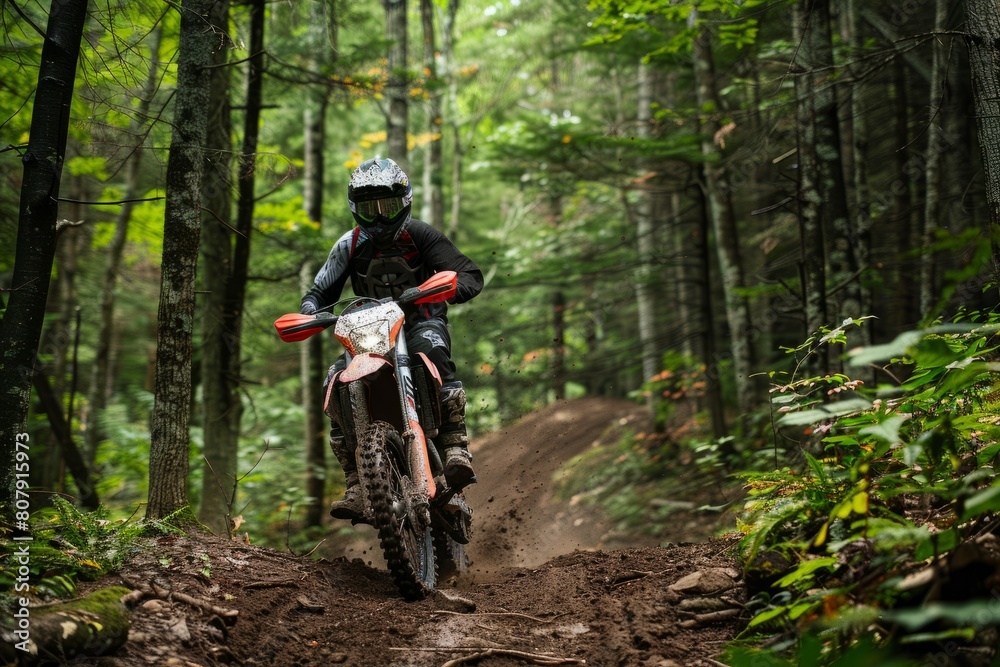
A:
408	297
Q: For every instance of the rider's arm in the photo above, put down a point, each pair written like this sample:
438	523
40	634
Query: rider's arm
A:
331	278
442	255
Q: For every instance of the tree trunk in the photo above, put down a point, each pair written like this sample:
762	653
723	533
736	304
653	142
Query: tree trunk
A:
709	354
237	284
833	211
398	87
170	438
983	36
100	380
220	448
905	217
448	57
644	293
48	467
21	327
63	436
559	345
812	237
859	172
723	219
433	201
313	368
558	361
932	173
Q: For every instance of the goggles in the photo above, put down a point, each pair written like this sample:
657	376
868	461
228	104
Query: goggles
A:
389	208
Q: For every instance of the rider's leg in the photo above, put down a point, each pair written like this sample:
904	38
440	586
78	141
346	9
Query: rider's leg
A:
350	506
453	438
433	339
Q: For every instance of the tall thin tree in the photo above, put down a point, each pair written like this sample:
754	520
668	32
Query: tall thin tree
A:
935	157
720	206
21	327
311	356
644	293
982	37
432	205
397	118
170	437
811	233
219	396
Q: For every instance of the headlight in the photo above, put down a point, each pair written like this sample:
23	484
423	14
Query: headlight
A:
371	338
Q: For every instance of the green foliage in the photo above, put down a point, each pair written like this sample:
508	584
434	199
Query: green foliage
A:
67	546
882	480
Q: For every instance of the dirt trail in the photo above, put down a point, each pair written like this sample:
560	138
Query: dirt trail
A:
538	586
518	523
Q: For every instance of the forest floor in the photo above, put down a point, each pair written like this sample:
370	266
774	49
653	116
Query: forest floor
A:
552	581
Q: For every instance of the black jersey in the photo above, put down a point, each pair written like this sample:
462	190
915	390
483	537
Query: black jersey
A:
418	253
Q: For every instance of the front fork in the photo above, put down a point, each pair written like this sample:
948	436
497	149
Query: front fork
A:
413	434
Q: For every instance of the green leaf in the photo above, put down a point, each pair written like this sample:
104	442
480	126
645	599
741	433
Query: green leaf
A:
831	410
977	613
986	500
967	634
887	430
879	353
935	544
816	467
806	569
899	346
767	615
934	351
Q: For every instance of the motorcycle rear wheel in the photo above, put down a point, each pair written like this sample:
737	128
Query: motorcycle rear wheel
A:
407	541
452	559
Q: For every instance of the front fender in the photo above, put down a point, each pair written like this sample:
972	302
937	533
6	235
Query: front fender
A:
361	366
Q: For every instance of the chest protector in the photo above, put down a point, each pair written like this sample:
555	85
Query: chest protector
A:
385	275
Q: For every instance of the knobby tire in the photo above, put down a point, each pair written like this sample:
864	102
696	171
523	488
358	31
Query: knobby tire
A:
408	547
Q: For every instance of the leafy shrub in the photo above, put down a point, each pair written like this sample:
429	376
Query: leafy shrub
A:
68	546
882	493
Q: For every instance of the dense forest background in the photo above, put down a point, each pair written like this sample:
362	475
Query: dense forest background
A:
651	190
666	200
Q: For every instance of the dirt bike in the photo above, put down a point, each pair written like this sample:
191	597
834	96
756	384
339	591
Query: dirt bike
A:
388	406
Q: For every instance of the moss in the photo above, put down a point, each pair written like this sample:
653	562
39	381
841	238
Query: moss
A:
95	624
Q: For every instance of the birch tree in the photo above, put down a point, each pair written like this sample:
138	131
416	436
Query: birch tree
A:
644	294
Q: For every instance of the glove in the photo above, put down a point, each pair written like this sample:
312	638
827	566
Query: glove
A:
308	307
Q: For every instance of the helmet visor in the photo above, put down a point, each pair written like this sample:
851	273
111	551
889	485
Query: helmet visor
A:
389	207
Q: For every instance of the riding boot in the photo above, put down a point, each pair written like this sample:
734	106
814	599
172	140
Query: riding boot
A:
349	507
453	439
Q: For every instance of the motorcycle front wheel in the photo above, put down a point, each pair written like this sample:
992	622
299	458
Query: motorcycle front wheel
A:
406	539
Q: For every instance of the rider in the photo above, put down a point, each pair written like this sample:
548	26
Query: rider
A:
388	252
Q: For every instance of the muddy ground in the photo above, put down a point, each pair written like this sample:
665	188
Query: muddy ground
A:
552	581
